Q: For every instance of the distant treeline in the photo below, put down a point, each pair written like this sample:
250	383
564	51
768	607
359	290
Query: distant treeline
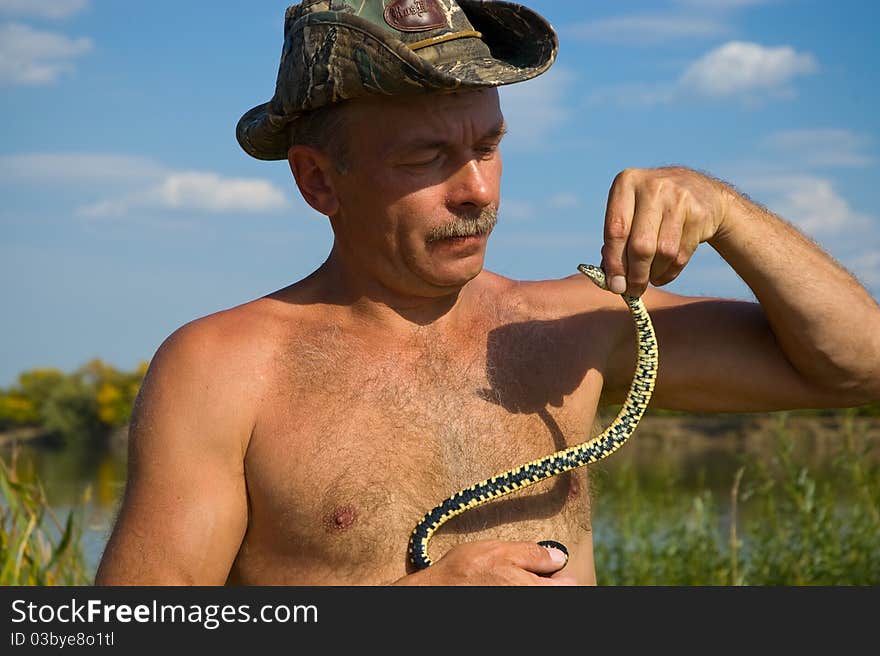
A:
88	403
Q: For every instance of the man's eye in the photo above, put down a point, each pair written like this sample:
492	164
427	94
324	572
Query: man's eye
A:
423	160
487	152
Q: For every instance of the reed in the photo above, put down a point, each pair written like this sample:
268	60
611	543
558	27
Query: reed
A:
36	547
781	522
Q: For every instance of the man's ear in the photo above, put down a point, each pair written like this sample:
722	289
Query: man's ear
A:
313	171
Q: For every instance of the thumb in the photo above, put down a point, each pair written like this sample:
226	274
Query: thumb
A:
615	274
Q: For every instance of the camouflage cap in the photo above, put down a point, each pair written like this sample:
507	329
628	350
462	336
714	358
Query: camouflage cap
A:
336	50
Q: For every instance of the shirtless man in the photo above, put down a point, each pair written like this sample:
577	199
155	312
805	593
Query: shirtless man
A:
297	439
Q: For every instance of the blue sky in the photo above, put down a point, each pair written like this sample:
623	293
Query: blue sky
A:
129	209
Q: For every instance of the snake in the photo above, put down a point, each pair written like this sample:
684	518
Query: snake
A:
607	442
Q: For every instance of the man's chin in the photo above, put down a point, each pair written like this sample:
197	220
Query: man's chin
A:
455	261
455	280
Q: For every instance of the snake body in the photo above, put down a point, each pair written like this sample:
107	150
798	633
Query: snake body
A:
601	446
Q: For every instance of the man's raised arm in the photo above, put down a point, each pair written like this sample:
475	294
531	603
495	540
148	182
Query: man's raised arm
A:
814	340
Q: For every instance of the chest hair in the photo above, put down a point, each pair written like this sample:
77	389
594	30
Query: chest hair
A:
379	433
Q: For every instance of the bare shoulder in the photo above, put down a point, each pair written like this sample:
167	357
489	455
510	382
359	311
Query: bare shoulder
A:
212	372
567	318
227	342
553	298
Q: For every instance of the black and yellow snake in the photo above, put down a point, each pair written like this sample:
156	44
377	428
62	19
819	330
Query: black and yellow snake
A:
591	451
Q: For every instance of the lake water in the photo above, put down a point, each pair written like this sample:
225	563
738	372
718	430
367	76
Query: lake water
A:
90	481
701	453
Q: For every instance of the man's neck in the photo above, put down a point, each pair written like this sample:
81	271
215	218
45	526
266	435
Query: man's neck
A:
390	308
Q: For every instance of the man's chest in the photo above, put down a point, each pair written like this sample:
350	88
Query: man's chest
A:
344	464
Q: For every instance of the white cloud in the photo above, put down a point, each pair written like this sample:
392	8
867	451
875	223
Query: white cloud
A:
536	108
683	20
866	268
43	8
745	72
34	57
197	191
212	193
77	168
129	183
563	201
811	203
516	210
646	29
737	68
829	147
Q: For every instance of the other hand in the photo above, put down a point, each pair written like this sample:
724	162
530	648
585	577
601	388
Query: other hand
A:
494	562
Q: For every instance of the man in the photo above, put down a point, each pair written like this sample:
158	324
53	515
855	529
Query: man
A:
299	438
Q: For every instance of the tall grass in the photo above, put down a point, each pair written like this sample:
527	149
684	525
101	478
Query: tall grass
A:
36	548
779	523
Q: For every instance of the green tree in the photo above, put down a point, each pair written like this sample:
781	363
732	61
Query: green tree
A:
115	391
71	411
17	410
88	403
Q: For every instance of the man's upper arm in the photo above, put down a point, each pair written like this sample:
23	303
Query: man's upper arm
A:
184	512
715	356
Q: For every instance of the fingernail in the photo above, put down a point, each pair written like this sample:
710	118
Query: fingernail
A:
557	556
617	284
558	551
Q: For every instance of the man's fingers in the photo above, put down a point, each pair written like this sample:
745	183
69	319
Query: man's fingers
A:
686	251
669	245
642	245
618	221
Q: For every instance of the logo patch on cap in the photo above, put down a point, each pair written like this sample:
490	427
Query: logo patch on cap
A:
414	15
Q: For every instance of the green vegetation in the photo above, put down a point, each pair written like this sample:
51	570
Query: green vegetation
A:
35	547
84	405
783	523
867	410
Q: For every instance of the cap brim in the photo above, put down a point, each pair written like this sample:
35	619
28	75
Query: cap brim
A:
262	136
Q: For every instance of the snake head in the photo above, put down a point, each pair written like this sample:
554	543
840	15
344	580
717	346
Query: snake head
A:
595	274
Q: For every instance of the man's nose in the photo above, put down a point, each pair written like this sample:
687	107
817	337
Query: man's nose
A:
472	184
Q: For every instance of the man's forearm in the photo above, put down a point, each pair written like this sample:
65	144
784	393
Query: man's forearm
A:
826	323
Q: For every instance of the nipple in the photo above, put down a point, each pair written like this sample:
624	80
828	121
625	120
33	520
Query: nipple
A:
574	488
340	519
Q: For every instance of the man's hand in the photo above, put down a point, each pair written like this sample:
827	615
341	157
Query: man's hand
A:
812	341
494	562
654	221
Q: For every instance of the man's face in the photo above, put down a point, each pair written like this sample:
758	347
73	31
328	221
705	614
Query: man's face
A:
421	189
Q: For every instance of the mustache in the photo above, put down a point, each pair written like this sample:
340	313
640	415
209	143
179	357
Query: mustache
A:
466	226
